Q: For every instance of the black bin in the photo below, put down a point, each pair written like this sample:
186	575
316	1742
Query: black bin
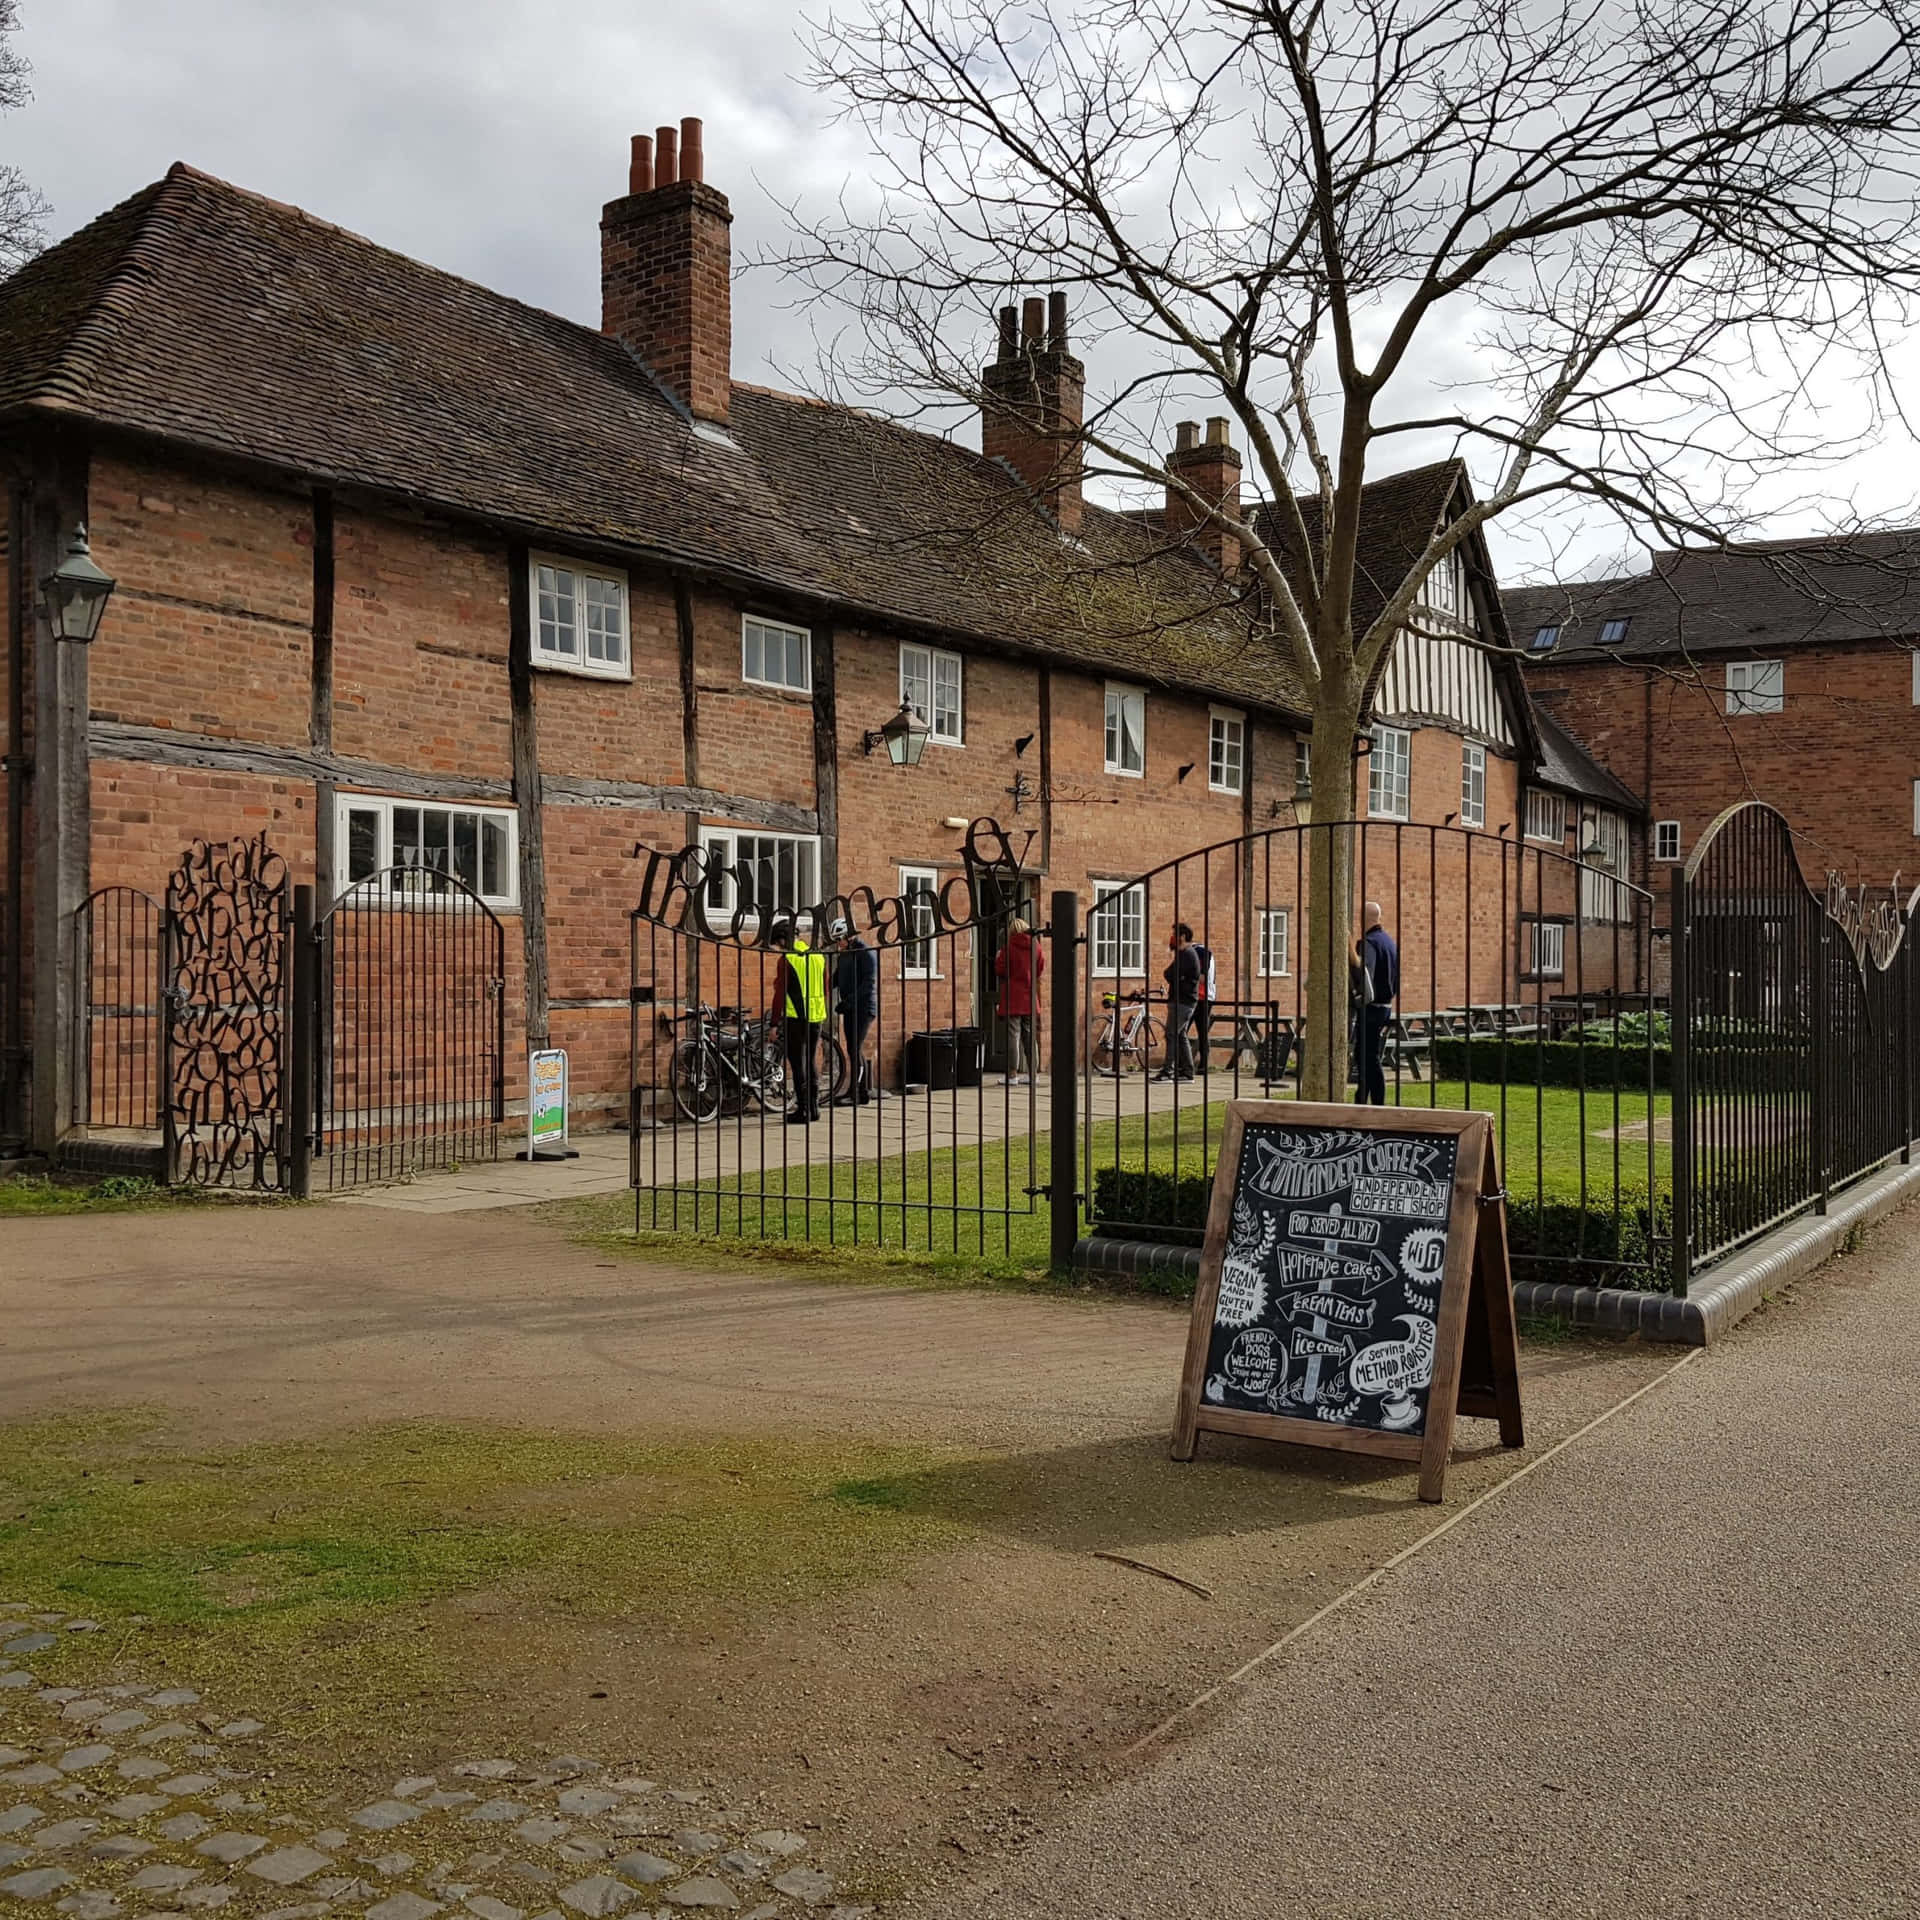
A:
931	1060
970	1056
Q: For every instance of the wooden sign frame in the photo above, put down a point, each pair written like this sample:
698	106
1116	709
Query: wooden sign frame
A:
1476	1361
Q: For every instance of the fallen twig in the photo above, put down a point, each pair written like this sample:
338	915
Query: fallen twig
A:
1147	1566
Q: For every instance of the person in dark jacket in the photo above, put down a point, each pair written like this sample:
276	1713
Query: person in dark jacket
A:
856	991
1020	963
1379	957
1186	980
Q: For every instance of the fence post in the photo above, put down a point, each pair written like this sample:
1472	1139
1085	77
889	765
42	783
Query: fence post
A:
305	1026
1822	1168
1063	1177
1681	1101
1903	959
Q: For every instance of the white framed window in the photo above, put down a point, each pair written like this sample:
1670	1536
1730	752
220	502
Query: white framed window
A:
1612	632
920	957
1226	751
1666	839
1390	774
1126	730
1302	768
762	872
1604	863
1276	935
414	843
1756	686
1119	927
1445	589
773	654
930	682
1916	806
1546	816
1546	954
1915	658
579	620
1473	784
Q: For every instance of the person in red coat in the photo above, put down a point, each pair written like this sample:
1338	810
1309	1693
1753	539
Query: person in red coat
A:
1020	963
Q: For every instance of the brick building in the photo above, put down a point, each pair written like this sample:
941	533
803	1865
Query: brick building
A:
1754	673
413	575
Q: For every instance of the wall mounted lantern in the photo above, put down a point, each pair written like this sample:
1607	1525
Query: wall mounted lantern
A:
904	736
76	592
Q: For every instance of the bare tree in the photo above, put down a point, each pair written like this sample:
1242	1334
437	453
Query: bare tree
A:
1634	231
22	210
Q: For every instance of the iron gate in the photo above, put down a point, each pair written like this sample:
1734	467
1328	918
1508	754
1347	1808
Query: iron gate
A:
406	1019
919	1142
117	1040
224	989
1795	1023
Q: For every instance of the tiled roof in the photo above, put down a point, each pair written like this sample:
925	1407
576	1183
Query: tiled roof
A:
1756	598
1565	763
1398	515
210	316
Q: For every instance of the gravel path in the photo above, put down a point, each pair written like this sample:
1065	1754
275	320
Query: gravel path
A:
1675	1671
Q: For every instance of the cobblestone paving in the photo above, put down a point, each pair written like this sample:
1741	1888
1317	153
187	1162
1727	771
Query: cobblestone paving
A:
140	1802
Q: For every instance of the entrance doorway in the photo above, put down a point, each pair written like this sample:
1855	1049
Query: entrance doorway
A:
1000	898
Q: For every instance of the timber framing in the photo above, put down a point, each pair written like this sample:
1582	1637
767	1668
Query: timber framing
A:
169	747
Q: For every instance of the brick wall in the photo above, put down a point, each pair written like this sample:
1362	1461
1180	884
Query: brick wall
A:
1839	760
420	646
210	624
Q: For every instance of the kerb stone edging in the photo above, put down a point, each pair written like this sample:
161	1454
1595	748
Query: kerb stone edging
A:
1715	1303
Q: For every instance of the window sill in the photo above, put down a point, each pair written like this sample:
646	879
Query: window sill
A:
543	663
777	686
1128	773
1230	793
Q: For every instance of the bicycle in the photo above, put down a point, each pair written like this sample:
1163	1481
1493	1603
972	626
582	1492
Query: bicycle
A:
1128	1038
728	1061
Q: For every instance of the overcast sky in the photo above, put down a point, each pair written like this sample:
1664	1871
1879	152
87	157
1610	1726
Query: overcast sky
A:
484	135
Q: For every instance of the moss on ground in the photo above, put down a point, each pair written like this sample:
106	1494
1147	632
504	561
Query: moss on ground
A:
322	1582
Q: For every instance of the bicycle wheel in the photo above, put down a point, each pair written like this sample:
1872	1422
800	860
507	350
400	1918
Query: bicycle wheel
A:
764	1065
1145	1044
1115	1056
697	1080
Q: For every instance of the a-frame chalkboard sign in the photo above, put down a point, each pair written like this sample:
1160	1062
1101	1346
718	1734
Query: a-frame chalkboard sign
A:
1354	1292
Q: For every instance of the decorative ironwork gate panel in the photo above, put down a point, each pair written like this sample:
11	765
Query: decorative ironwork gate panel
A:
1795	1069
117	1044
225	991
408	1029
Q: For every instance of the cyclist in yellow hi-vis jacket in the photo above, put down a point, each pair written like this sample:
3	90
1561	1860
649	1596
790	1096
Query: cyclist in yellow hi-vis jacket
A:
800	1005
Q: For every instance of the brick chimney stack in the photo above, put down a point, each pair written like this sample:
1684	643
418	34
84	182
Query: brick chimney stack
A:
1211	467
665	267
1036	394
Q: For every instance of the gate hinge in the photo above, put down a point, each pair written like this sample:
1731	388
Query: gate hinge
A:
1040	1193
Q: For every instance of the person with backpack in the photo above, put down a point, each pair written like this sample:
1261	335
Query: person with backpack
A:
1019	965
1203	1007
1185	979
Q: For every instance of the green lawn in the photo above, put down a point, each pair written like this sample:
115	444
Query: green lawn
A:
969	1206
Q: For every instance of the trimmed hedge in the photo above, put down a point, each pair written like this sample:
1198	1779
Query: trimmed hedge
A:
1729	1064
1549	1063
1599	1245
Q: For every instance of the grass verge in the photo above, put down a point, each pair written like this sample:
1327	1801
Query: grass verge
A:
330	1582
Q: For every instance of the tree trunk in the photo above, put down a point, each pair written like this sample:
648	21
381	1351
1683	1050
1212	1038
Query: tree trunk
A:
1330	906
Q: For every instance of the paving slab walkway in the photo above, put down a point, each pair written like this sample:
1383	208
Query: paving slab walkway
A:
1675	1670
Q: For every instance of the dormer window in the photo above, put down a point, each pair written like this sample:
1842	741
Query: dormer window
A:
1544	640
1445	589
1612	632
